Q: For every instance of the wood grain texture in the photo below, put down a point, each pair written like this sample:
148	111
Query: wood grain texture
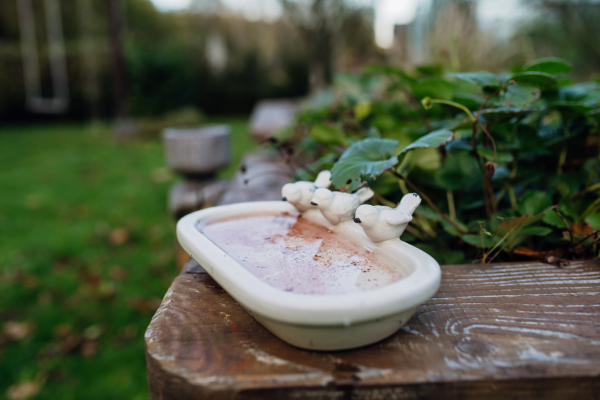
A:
517	330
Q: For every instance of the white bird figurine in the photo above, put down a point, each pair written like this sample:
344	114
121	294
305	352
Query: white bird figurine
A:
300	194
338	207
382	223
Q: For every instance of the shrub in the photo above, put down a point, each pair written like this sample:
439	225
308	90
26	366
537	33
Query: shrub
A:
507	165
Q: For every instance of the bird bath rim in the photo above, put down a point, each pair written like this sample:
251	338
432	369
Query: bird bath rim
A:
264	300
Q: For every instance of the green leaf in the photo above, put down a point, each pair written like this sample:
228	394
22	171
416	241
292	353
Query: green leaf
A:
471	101
458	172
502	156
510	229
573	106
520	95
535	231
451	230
328	134
594	220
497	115
549	65
551	218
534	202
475	240
535	78
367	158
434	139
434	87
484	79
362	109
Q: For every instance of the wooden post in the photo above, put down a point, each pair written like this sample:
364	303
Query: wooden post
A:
521	330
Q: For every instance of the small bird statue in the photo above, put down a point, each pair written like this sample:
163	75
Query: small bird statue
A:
338	207
382	223
300	194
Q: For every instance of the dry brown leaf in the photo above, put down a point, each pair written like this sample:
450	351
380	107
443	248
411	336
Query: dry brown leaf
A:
117	273
18	330
23	390
119	236
144	306
582	229
90	349
61	331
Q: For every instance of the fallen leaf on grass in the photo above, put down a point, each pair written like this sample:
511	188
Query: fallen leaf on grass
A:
144	306
117	273
119	236
161	175
61	331
90	349
18	330
23	390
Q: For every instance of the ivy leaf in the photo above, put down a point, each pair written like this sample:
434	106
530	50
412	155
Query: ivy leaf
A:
534	202
367	158
535	231
434	139
594	220
551	218
434	87
468	100
573	106
458	172
484	79
475	240
502	156
510	229
362	109
328	134
520	95
535	78
501	114
549	65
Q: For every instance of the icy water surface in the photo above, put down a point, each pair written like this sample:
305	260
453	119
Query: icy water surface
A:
295	255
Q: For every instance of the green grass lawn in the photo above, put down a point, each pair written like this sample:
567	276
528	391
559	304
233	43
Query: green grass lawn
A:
86	254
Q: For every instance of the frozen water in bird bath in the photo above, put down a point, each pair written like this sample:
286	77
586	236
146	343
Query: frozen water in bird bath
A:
296	255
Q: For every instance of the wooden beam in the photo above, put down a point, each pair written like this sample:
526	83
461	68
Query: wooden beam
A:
522	330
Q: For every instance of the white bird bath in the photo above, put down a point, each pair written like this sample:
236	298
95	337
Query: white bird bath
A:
313	284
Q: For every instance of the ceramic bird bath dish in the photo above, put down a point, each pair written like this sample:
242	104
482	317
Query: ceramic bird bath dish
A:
330	275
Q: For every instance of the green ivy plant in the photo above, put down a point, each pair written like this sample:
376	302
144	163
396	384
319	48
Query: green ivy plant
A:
507	165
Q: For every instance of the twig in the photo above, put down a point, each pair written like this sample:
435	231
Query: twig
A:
488	192
555	208
587	237
491	139
428	200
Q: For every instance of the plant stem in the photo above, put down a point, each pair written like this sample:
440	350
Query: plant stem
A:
555	208
451	209
587	237
457	105
503	246
428	200
561	161
488	191
491	139
592	173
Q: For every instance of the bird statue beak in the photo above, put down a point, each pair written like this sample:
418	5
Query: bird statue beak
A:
284	198
357	220
313	203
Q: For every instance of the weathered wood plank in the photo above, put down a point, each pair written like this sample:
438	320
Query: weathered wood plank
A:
518	330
